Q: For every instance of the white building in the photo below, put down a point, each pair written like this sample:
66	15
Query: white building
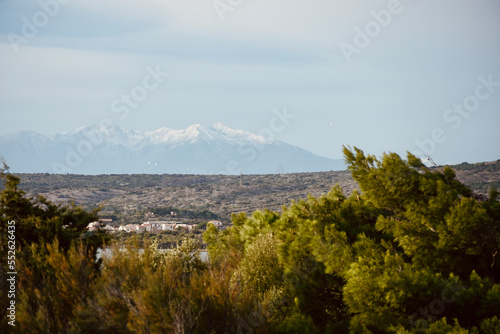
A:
94	226
152	226
217	224
130	228
110	229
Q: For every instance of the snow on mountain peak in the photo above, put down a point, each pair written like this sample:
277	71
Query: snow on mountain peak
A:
113	135
197	149
220	126
198	132
239	135
175	136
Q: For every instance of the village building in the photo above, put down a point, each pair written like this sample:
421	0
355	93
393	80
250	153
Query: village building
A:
149	226
217	224
94	226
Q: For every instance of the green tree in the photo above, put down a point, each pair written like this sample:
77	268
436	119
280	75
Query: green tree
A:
55	258
437	235
260	268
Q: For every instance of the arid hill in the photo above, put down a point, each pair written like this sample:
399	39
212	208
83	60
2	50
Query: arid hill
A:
130	197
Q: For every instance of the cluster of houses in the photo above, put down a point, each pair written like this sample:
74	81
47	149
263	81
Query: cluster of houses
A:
149	226
155	226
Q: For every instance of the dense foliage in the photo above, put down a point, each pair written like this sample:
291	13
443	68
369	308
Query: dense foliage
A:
54	272
413	251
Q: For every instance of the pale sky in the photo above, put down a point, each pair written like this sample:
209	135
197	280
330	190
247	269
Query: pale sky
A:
380	75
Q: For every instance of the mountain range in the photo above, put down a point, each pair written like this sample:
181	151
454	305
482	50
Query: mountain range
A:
198	149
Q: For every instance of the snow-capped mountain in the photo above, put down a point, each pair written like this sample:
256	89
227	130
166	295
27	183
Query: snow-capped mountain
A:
109	149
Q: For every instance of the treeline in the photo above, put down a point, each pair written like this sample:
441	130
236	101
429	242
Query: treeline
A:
479	167
414	251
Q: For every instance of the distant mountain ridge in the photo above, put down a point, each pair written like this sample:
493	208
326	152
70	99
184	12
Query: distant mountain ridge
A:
198	149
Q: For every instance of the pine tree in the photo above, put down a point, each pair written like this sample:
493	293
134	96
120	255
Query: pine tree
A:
55	258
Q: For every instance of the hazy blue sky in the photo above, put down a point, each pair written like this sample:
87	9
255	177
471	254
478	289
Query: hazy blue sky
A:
69	63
